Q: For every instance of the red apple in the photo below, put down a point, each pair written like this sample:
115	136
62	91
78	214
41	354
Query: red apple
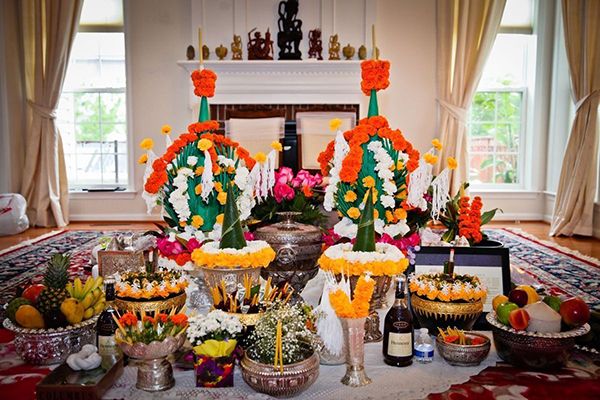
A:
519	297
518	319
32	292
574	312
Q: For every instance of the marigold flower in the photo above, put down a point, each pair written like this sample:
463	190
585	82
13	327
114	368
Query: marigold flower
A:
147	144
180	319
143	159
219	219
437	144
368	182
222	198
204	144
276	145
335	124
452	163
260	157
350	196
198	171
353	212
197	221
389	216
165	129
182	224
400	213
198	189
128	319
399	165
430	158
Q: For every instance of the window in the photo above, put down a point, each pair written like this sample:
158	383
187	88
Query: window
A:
497	119
92	115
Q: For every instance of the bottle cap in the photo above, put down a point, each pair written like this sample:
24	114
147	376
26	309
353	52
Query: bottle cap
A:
424	331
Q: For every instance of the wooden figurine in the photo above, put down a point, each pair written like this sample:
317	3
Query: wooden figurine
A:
236	48
334	47
190	53
362	52
315	44
205	52
290	31
259	48
348	52
221	52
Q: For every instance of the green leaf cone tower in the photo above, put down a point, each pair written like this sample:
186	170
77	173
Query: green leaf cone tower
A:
232	235
365	237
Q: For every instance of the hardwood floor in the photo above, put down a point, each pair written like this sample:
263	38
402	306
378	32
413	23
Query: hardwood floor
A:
585	245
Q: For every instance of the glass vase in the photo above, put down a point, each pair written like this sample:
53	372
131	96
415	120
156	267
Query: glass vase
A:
354	335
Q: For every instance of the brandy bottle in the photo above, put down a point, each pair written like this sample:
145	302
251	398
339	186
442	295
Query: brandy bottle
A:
398	330
106	325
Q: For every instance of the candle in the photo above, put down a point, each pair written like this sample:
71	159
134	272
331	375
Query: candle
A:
200	46
375	55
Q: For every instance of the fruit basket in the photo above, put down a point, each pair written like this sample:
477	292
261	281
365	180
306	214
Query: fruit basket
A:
51	346
535	350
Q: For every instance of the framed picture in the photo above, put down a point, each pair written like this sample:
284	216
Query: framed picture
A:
111	261
490	265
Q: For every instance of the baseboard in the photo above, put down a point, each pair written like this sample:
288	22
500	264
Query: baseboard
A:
518	216
115	217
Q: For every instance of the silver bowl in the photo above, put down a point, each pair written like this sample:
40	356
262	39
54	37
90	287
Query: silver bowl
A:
464	355
52	346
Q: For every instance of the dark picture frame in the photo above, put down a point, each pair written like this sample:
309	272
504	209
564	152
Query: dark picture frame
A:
488	263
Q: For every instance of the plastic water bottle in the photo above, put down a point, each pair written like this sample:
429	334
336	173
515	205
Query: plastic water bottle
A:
423	347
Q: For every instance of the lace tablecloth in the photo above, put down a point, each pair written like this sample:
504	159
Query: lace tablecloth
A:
412	382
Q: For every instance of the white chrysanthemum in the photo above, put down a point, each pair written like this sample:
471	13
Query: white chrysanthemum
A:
346	228
192	160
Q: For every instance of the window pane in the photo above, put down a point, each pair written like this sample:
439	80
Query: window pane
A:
506	168
481	168
86	108
518	13
102	12
506	64
113	108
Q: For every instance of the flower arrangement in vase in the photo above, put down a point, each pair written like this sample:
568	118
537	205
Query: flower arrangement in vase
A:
295	193
463	218
214	338
282	358
175	247
151	340
447	299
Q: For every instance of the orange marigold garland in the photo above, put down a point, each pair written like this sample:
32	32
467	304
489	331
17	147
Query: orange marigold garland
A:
469	219
375	75
204	82
359	307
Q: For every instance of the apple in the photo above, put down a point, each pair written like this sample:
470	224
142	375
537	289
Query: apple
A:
519	319
574	312
504	310
499	299
519	297
553	302
32	292
532	295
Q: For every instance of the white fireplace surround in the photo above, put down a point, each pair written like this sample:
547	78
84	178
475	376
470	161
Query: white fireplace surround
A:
281	82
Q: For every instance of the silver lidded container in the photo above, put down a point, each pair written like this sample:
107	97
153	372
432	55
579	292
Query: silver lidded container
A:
298	247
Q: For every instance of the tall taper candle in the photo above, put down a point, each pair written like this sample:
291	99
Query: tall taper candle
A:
375	55
200	46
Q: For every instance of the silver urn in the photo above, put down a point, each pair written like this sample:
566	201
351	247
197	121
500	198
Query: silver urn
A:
298	247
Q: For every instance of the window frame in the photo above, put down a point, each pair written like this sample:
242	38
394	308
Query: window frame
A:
79	189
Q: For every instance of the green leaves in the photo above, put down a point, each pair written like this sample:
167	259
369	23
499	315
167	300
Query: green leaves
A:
489	215
232	235
365	237
373	106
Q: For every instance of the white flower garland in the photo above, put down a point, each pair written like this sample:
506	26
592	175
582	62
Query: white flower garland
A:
252	246
383	252
340	150
179	196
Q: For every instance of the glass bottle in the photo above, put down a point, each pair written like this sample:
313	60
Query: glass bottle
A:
106	325
398	330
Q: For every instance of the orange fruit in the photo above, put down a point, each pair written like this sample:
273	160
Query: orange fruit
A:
499	299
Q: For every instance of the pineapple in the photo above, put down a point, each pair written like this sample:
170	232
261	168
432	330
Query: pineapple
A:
55	280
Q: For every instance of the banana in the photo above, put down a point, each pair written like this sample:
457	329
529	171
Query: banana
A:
70	288
87	287
97	293
98	283
88	313
77	289
88	300
99	307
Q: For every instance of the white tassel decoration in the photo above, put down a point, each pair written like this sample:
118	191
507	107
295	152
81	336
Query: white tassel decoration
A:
329	326
420	179
149	198
207	177
271	170
440	196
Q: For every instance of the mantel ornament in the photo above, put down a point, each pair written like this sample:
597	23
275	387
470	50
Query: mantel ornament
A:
315	44
190	53
236	48
334	47
290	31
260	48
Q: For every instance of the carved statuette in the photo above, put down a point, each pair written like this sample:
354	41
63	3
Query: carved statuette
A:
290	31
315	44
190	53
348	52
334	47
236	48
221	52
205	52
362	52
259	48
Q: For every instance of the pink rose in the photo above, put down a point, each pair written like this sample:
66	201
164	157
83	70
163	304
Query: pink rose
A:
168	248
248	235
193	244
284	175
283	191
304	178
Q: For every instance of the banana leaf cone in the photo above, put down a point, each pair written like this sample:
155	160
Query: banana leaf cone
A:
232	235
365	237
204	114
373	106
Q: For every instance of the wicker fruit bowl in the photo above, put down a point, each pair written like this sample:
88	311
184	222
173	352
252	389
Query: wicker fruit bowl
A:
539	351
51	346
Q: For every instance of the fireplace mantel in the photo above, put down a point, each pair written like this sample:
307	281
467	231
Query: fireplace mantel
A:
282	82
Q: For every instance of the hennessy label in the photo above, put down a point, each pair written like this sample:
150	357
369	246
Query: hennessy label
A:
107	345
400	345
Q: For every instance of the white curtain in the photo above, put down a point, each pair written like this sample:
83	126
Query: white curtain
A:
48	28
466	30
574	205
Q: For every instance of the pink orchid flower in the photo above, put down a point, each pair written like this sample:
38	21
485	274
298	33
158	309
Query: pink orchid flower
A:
168	248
